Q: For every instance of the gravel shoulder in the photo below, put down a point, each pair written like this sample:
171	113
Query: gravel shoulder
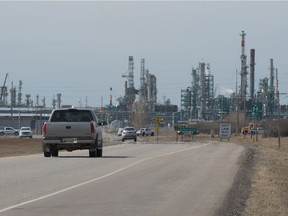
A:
260	187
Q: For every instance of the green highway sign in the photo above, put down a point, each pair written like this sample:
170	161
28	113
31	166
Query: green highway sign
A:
190	129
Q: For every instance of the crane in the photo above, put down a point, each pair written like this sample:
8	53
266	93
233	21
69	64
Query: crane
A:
130	75
4	89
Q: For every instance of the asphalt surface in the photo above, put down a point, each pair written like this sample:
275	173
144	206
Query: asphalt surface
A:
130	179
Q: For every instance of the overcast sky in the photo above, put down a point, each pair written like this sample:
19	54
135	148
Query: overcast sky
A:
81	49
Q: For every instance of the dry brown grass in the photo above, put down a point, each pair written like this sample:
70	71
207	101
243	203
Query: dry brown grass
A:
270	181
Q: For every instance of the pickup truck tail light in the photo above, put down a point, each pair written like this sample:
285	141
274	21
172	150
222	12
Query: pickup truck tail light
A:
92	128
44	128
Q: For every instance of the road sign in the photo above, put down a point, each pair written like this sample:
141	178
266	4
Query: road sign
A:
225	131
188	129
193	131
158	119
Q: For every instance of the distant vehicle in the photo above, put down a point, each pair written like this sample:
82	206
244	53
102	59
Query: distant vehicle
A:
252	129
25	132
258	130
248	129
9	131
129	133
72	129
119	133
145	132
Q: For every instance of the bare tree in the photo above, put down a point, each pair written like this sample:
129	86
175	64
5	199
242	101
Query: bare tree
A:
139	117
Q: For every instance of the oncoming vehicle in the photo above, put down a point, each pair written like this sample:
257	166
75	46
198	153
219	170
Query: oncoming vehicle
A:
258	130
25	132
129	133
145	132
119	133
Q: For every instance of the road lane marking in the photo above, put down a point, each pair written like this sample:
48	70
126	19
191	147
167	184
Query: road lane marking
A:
99	178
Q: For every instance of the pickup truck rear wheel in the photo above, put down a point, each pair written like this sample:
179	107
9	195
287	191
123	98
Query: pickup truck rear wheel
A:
46	150
92	154
95	151
54	151
99	152
47	154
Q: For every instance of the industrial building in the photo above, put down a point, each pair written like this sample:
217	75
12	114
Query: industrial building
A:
198	101
145	95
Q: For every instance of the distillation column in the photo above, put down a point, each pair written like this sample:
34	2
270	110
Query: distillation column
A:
243	73
252	73
271	101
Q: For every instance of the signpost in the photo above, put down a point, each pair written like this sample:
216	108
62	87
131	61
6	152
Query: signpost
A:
225	131
158	119
182	129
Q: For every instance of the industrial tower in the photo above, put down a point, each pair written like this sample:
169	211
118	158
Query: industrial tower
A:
243	73
143	84
252	74
197	100
271	96
148	87
130	91
4	92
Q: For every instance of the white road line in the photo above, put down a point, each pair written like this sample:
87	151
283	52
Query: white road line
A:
96	179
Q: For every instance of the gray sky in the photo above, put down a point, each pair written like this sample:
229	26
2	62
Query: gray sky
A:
81	49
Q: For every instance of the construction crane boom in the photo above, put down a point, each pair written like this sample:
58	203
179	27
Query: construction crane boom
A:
4	88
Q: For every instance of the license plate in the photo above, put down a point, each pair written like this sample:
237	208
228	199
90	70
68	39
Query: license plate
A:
69	140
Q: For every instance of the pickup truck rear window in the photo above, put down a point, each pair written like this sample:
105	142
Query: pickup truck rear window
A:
72	115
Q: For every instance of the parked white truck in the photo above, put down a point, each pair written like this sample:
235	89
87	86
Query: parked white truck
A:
72	129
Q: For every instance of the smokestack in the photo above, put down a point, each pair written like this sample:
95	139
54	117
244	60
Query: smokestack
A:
126	92
243	73
110	97
271	76
252	73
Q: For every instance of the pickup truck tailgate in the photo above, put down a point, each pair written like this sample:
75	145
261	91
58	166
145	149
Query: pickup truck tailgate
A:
68	129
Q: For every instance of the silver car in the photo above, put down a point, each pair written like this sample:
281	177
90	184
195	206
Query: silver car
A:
129	133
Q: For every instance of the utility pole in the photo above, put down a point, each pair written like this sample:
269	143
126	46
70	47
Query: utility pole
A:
237	107
278	108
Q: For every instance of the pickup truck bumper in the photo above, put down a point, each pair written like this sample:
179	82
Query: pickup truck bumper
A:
73	143
67	140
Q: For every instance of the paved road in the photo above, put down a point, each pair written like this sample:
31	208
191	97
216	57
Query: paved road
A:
130	179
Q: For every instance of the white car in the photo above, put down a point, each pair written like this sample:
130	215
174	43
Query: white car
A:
119	133
129	133
25	132
145	132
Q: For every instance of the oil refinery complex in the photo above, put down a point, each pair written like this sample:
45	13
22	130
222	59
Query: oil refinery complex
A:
139	106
